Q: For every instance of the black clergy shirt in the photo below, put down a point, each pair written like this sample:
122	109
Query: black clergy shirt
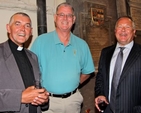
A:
25	68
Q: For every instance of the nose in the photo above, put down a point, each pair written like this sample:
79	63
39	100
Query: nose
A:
22	28
65	16
123	28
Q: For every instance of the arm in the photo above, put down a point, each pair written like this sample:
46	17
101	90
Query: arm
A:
83	77
87	65
101	82
12	99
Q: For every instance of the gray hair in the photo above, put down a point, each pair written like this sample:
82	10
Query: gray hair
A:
133	23
65	4
19	13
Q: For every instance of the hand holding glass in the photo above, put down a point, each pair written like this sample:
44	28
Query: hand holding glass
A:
102	105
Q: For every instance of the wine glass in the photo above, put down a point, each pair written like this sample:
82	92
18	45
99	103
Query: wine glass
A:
102	105
38	84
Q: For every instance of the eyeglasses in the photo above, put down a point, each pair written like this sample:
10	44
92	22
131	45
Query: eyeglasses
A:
124	26
62	15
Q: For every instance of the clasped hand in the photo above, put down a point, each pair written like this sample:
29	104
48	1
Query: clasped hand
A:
35	96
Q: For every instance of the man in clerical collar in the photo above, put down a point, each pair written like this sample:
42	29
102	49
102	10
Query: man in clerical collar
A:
19	70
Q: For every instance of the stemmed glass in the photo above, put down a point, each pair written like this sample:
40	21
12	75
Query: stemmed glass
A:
102	105
38	84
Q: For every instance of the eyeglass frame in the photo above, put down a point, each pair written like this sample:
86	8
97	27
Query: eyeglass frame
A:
62	15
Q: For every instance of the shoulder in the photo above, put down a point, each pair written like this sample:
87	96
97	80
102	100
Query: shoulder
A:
78	40
1	49
108	48
30	53
136	45
1	45
136	48
45	36
4	47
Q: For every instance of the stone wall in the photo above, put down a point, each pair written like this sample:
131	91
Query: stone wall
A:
100	33
94	23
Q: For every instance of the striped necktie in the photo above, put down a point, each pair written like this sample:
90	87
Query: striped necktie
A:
116	77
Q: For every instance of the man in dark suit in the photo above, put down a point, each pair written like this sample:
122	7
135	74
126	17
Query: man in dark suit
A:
18	70
128	92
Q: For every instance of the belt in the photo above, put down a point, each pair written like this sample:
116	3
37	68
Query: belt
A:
63	95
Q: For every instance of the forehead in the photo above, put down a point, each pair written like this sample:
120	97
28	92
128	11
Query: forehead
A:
21	18
65	8
124	21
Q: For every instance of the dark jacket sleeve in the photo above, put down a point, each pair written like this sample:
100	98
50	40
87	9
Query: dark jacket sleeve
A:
45	106
99	88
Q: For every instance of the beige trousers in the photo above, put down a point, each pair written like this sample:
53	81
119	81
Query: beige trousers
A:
71	104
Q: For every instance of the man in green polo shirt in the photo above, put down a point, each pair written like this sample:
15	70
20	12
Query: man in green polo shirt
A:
65	62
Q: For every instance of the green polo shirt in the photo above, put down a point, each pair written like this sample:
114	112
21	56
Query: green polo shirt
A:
61	65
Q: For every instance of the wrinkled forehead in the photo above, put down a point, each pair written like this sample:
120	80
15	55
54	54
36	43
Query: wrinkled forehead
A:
20	18
124	21
19	15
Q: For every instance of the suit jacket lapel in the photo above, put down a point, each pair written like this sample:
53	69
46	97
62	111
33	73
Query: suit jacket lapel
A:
12	66
133	55
34	64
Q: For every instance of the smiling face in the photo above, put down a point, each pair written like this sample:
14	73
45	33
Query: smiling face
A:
64	18
19	29
124	31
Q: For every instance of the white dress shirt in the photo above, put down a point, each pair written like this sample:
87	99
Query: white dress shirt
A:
126	52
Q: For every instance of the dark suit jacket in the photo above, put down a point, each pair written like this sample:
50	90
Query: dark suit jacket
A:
11	83
128	97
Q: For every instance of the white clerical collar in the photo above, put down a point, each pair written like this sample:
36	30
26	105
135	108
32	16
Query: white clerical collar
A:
20	48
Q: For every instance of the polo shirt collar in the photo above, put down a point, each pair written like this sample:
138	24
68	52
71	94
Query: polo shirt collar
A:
57	40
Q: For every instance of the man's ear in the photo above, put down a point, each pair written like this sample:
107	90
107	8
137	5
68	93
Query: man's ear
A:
8	28
74	18
55	18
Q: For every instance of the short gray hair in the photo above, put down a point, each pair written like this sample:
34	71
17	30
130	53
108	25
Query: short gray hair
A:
19	13
133	23
65	4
